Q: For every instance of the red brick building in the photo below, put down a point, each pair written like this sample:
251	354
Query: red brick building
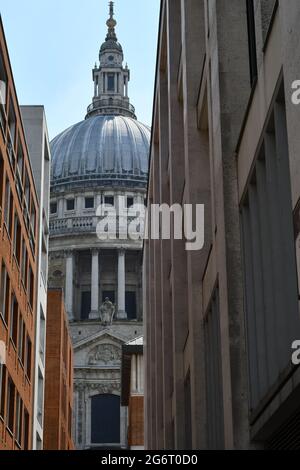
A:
133	392
59	376
18	268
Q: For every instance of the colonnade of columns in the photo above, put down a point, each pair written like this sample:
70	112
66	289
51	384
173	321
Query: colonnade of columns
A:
95	280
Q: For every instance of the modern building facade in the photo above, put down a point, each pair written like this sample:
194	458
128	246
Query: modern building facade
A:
132	396
59	376
35	125
99	174
220	321
19	251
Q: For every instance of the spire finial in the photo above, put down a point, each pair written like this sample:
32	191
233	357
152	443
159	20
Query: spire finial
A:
111	23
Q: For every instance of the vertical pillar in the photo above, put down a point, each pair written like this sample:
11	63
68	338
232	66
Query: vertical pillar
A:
121	285
69	284
95	285
134	359
126	86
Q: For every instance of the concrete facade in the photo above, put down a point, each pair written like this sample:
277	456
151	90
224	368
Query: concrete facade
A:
38	143
225	133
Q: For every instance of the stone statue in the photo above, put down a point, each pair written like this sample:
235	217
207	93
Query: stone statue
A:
107	311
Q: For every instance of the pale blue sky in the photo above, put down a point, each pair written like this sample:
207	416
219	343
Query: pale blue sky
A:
53	46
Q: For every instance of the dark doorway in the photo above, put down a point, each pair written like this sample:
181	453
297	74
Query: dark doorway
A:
130	302
106	419
108	295
85	305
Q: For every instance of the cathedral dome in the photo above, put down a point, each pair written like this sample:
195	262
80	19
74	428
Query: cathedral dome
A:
109	150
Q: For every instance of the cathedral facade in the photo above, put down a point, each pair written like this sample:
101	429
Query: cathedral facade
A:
100	173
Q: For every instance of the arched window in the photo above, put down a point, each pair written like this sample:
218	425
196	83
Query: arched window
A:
105	420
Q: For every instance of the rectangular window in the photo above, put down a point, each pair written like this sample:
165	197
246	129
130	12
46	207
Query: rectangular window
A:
53	208
26	429
24	263
28	358
252	41
17	239
130	302
19	419
4	294
270	273
42	334
2	389
3	92
40	398
1	179
213	373
21	340
130	202
12	133
14	320
27	191
31	287
109	201
70	205
89	203
33	218
10	409
7	203
110	82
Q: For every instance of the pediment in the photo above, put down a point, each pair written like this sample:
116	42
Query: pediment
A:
99	337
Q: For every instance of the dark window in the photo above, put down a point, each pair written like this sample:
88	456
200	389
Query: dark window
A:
130	302
111	82
14	320
28	358
89	203
53	208
21	341
130	202
252	41
188	413
1	178
3	91
70	204
108	294
109	201
2	389
105	419
270	272
27	191
19	419
85	305
31	287
24	263
11	390
17	240
12	132
213	373
7	203
4	294
33	218
26	430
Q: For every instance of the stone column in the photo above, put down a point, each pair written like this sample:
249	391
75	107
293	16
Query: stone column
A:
69	284
95	285
121	285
